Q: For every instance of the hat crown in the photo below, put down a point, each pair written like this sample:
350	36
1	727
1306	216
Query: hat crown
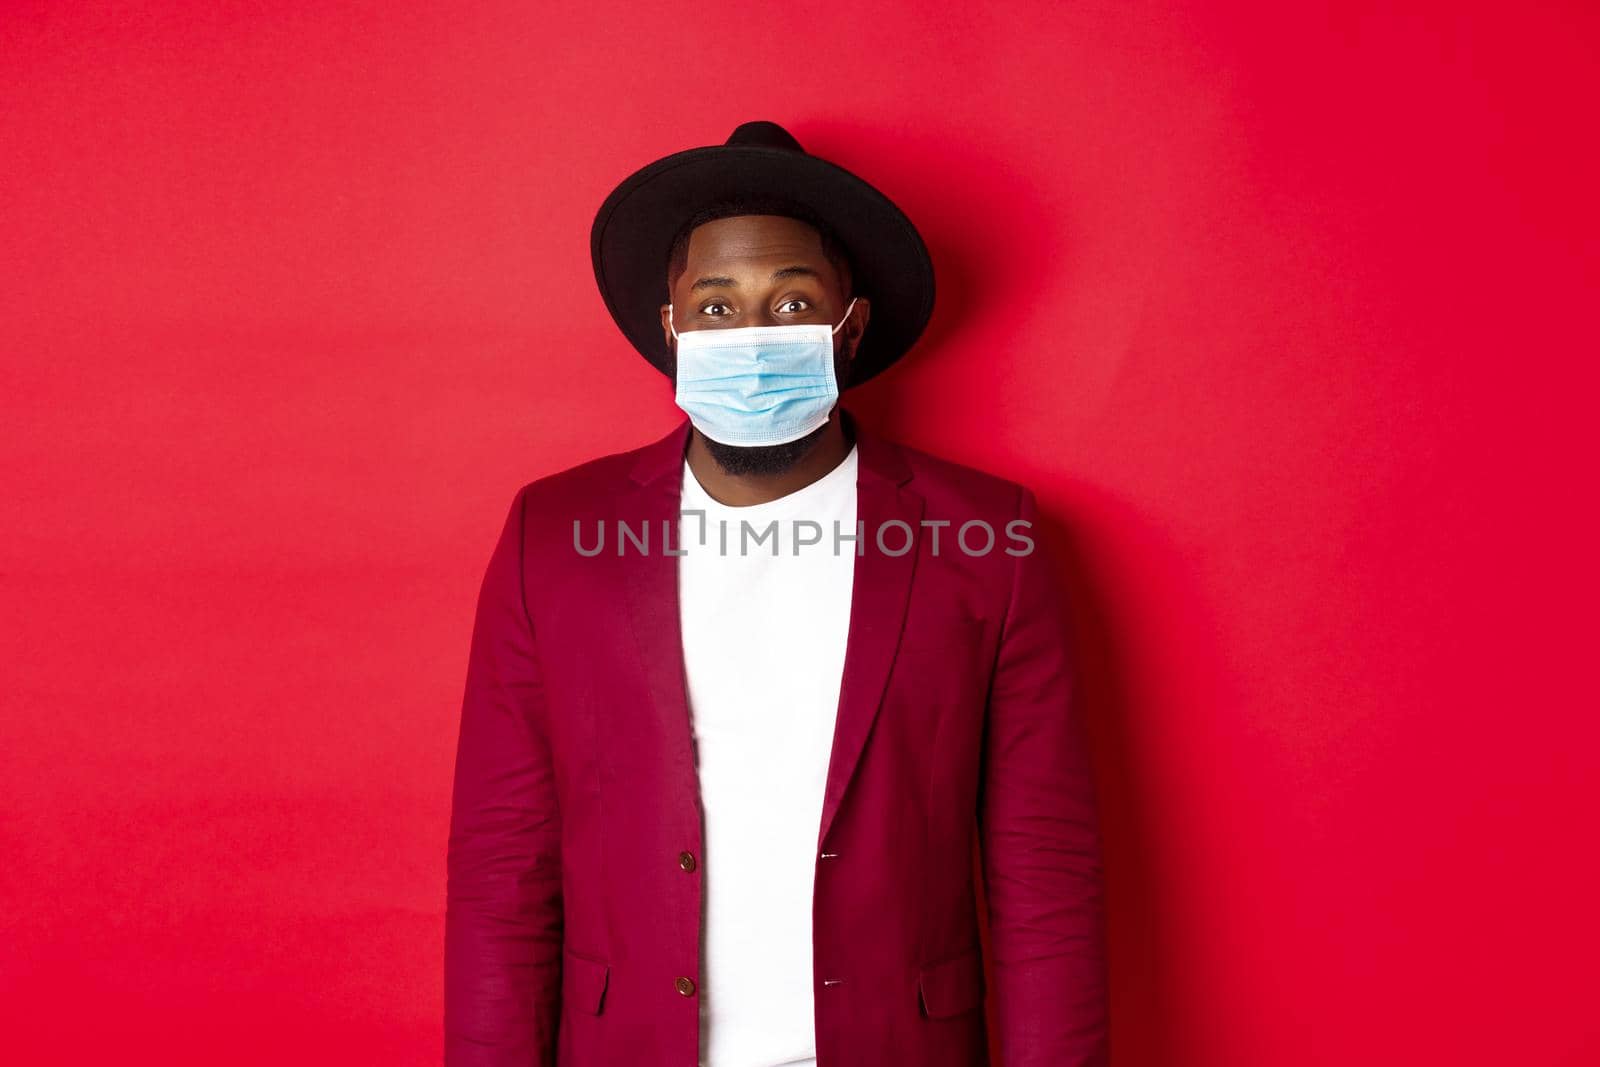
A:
763	134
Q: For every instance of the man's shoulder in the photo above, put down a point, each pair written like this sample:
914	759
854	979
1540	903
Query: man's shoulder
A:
958	485
598	474
592	479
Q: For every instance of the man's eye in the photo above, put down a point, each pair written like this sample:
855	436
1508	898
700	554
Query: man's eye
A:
713	305
796	300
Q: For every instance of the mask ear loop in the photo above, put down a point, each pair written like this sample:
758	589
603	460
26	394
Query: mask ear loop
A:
846	314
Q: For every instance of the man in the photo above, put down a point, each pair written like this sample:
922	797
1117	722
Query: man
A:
717	794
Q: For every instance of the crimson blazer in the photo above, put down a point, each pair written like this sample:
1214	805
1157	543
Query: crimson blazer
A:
574	858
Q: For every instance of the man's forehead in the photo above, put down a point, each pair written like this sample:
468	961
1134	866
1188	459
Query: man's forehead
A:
753	237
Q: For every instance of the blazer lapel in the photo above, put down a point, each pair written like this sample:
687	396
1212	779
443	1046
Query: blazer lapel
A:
650	579
878	599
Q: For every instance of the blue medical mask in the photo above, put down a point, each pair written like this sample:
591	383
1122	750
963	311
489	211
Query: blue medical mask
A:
757	385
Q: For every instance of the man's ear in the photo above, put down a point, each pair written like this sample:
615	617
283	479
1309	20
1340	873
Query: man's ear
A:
854	327
666	324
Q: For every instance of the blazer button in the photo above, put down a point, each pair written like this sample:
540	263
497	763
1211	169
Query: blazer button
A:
686	860
684	986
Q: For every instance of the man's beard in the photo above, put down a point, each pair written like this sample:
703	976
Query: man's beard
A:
762	459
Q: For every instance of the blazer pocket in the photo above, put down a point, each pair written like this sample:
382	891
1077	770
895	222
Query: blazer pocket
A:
583	982
953	985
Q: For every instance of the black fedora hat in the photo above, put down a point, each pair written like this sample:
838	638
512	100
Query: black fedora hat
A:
633	231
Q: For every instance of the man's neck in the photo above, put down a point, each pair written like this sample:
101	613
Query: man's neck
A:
739	490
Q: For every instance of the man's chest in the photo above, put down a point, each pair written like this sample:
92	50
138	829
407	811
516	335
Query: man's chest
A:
764	637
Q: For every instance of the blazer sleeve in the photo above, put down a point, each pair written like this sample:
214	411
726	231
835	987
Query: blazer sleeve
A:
1040	838
503	915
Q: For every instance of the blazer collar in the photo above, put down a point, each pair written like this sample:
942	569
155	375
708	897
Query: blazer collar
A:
876	457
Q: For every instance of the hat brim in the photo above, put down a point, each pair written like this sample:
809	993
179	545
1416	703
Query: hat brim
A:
634	228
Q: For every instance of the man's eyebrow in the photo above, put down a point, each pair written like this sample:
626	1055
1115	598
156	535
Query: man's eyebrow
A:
722	282
790	272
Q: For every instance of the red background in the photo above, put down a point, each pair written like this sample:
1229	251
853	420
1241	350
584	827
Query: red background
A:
1289	320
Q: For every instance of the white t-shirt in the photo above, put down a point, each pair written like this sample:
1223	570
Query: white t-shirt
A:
763	645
